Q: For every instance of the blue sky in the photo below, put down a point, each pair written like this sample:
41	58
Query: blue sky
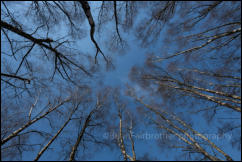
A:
134	56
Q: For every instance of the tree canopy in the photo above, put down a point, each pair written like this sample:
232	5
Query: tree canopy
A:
121	80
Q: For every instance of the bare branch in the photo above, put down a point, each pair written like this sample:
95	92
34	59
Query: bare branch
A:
214	37
88	14
16	77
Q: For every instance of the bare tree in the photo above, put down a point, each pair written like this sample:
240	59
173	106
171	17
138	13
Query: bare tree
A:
16	132
56	135
174	125
127	125
91	121
52	88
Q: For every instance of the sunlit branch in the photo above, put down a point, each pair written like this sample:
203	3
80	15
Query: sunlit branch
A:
207	97
212	74
193	141
55	136
15	133
215	37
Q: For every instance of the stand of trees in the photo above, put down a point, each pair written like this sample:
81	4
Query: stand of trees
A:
55	101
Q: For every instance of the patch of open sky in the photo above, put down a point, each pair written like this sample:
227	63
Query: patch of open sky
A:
135	55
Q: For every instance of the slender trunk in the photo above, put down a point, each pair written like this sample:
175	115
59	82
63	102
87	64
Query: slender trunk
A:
206	90
15	133
202	136
194	143
215	37
207	97
132	145
121	141
54	137
80	136
199	88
